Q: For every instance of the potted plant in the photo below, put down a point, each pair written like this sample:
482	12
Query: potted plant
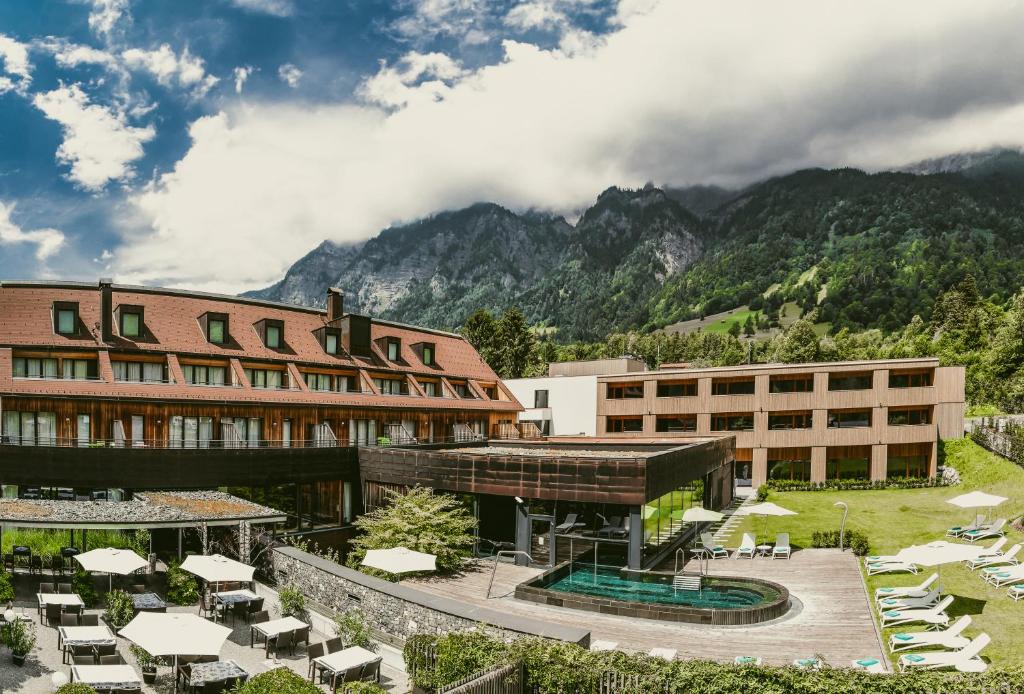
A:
147	663
120	609
20	637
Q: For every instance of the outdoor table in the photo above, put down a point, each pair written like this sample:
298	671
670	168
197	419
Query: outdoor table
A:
58	599
763	550
148	601
232	597
341	661
274	627
201	673
86	636
106	676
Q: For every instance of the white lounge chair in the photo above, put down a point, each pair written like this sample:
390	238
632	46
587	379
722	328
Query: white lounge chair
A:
781	548
993	560
665	653
908	591
1004	577
1016	592
929	615
872	665
881	559
958	530
747	546
926	600
807	663
712	548
747	660
949	639
964	660
994	530
891	567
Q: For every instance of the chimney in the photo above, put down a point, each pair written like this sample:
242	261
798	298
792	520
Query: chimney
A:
335	304
107	309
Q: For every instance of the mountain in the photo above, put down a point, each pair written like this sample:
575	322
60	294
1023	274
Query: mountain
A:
972	163
857	250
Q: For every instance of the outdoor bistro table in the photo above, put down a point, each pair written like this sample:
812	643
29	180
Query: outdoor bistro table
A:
201	673
274	627
232	597
86	636
58	599
106	676
347	659
148	601
764	550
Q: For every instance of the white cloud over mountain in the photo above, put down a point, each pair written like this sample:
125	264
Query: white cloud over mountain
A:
680	93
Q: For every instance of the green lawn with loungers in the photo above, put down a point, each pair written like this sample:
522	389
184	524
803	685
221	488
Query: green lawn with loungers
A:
894	519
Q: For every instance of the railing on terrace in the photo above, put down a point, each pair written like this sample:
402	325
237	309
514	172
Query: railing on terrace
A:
229	443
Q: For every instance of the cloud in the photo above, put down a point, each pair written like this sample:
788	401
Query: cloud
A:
168	68
290	75
539	14
427	19
679	93
98	145
241	75
276	8
106	15
70	55
14	56
47	241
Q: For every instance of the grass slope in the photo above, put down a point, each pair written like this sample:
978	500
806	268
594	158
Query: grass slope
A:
894	519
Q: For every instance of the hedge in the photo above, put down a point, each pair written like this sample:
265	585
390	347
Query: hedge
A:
278	681
854	539
557	668
854	484
75	688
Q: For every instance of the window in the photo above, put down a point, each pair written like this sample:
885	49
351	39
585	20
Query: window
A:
910	379
789	420
392	386
131	324
789	464
625	391
733	422
682	389
850	381
490	391
34	368
331	341
732	386
429	388
428	355
848	463
462	390
540	399
241	432
217	330
340	383
139	372
803	383
666	424
66	319
274	336
83	431
78	369
191	432
848	419
920	415
907	465
265	378
30	428
202	375
622	425
138	430
394	350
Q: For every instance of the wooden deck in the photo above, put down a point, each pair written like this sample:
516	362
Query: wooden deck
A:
834	620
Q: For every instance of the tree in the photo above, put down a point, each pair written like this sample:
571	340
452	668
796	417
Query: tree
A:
748	326
420	520
734	329
481	330
797	345
513	344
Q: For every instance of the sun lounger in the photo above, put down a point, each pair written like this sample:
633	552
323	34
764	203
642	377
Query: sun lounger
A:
569	524
1005	577
950	639
781	548
994	530
964	660
713	549
747	546
926	600
958	530
909	591
747	660
891	567
614	527
1016	592
993	560
929	615
872	665
807	663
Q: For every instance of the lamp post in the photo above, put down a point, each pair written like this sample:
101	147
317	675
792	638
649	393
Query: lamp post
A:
842	525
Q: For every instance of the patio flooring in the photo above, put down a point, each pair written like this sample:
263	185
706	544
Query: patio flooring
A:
833	619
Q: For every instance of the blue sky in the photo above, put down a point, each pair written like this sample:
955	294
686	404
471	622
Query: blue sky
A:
211	143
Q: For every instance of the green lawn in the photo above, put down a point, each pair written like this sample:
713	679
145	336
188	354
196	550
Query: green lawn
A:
894	519
738	316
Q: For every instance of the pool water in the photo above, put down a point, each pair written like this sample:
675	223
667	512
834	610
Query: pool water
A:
607	582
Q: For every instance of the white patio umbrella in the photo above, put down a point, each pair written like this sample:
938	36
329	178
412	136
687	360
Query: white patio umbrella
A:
111	561
399	560
216	568
939	553
698	514
172	634
764	509
977	499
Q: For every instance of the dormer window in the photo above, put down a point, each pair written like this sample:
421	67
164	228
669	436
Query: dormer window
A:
332	342
273	336
394	350
65	318
131	324
217	330
271	332
428	355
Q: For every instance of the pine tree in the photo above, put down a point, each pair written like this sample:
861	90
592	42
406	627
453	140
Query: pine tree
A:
481	330
513	344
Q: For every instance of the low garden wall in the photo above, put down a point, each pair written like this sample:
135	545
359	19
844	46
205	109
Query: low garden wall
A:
398	611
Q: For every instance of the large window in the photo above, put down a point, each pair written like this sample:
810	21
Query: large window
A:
848	419
339	383
191	432
78	369
789	420
203	375
431	388
392	386
625	391
131	324
34	368
850	381
910	416
848	464
217	330
621	425
910	379
265	378
732	386
789	464
733	422
907	465
540	399
461	389
667	424
676	389
139	372
797	383
30	428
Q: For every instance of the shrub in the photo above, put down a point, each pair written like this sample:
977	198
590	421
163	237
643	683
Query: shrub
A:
854	539
364	688
6	589
82	584
75	688
293	602
854	484
182	587
145	658
120	608
762	492
354	631
20	636
279	681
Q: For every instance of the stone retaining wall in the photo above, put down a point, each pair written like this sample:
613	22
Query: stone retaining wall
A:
398	611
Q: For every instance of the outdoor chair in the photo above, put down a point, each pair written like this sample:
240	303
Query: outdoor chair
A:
1016	592
260	617
206	606
958	530
346	676
286	639
964	660
569	524
782	547
83	660
57	565
996	558
35	565
301	636
950	639
1003	576
891	567
240	609
613	528
47	588
314	651
53	615
255	607
909	591
65	588
78	650
68	619
73	609
371	671
334	644
89	620
994	530
104	649
926	600
712	548
113	659
747	547
930	615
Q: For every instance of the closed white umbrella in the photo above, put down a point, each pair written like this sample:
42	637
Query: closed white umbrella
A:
216	568
977	500
764	509
175	633
111	561
399	560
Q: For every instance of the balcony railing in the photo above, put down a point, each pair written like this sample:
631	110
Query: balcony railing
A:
382	441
